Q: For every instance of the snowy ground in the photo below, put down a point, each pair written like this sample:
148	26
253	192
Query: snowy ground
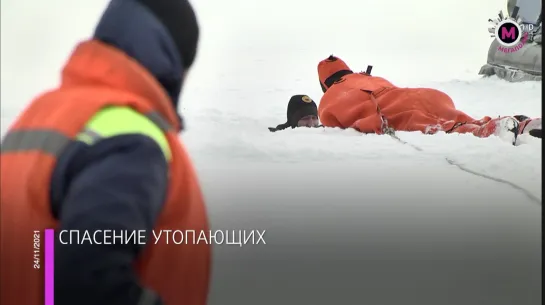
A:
351	219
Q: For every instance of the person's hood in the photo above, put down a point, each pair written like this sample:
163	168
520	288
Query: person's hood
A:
331	70
132	28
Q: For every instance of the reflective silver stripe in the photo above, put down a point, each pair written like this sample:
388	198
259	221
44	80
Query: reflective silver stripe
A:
93	135
158	119
147	298
47	141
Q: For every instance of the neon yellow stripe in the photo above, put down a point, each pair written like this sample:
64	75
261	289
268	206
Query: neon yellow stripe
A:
115	121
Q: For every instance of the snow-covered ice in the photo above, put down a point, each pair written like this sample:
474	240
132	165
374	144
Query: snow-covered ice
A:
351	219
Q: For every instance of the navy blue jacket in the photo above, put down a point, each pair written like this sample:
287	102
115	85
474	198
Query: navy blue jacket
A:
117	183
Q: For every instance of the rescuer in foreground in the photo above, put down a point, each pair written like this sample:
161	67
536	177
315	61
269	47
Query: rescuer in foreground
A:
101	152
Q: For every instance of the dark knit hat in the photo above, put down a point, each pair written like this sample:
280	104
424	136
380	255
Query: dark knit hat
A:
180	20
299	106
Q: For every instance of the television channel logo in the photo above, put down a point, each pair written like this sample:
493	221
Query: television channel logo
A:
511	35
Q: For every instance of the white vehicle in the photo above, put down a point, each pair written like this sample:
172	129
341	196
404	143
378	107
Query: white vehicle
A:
524	64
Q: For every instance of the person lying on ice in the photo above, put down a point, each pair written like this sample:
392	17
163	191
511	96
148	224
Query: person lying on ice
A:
302	112
371	104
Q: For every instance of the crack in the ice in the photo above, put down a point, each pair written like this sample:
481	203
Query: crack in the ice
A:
475	173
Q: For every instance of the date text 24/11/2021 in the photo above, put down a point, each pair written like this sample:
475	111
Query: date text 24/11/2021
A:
36	252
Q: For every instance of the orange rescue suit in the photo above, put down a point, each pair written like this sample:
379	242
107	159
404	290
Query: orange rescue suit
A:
366	103
95	77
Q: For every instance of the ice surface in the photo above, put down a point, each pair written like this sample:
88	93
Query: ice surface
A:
351	219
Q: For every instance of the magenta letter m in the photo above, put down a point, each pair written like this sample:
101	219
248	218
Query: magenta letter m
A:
510	34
